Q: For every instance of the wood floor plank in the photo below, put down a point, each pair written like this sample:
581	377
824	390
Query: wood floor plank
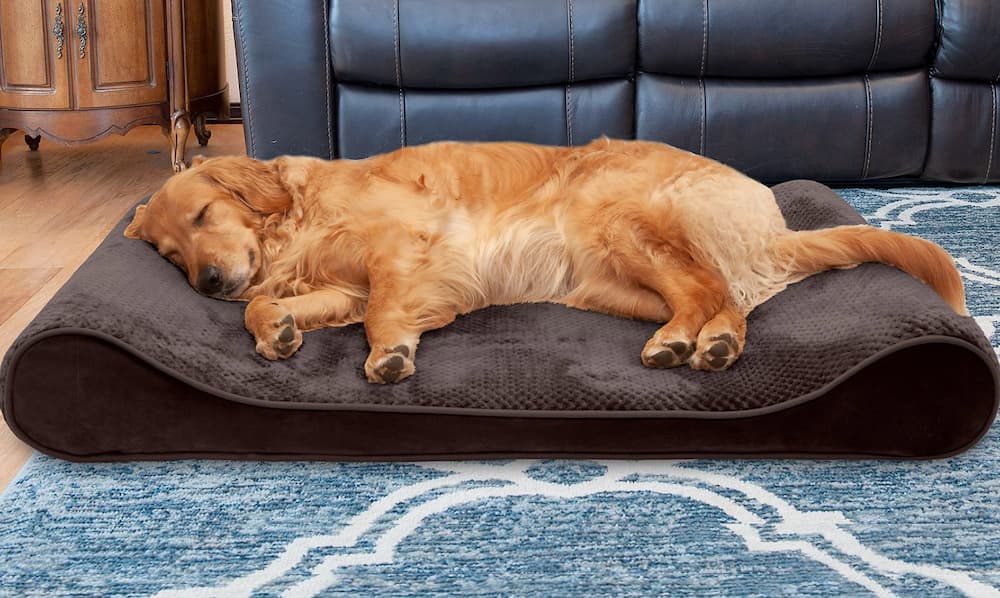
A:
17	285
56	206
12	327
13	455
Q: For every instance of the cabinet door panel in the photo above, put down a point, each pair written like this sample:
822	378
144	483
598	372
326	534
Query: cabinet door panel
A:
123	59
32	74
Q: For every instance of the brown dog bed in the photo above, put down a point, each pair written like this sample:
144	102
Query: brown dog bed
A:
128	362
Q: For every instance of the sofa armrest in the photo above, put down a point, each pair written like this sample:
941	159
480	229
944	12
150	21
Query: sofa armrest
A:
282	50
965	75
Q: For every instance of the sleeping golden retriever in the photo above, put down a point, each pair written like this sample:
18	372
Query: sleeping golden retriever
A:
406	241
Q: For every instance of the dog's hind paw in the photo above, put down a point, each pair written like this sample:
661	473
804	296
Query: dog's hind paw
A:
667	354
389	365
719	353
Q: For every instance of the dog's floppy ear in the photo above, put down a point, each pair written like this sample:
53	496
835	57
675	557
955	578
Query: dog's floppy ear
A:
134	229
254	183
295	172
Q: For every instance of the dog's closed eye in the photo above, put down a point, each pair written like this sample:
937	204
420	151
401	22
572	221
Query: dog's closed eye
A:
200	218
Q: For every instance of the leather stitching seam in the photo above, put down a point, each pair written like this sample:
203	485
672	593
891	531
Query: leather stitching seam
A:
869	117
878	35
329	67
399	74
246	79
572	75
993	130
701	75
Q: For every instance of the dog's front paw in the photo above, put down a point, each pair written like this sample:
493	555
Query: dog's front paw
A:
385	365
273	326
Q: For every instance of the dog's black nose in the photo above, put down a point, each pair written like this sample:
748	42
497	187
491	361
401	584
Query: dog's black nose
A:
210	280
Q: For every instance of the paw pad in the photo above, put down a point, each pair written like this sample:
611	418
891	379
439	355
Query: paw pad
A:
273	328
393	366
720	354
672	354
390	369
285	345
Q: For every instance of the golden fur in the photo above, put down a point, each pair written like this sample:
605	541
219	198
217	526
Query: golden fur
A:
407	240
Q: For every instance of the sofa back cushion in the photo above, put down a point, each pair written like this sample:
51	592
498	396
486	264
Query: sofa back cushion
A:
781	88
546	71
965	128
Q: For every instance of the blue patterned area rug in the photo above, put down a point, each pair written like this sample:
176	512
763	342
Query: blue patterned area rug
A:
545	528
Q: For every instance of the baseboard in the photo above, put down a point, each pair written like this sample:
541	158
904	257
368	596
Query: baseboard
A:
235	115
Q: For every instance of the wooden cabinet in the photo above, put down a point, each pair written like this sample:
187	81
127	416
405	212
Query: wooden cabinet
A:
76	70
35	71
124	61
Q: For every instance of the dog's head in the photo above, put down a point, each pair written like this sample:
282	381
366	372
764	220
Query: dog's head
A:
207	221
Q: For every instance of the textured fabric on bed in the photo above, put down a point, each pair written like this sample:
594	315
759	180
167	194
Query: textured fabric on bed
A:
526	361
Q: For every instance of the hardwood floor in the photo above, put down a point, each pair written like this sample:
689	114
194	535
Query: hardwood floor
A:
56	205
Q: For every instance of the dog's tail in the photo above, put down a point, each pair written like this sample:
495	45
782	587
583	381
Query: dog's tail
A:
809	252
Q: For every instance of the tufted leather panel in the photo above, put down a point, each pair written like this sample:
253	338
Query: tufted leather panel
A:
372	120
965	132
445	44
783	38
285	78
845	128
969	48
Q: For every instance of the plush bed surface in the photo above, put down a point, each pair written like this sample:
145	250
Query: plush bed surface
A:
524	361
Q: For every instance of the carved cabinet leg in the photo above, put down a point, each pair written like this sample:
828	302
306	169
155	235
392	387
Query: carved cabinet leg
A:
180	127
33	142
4	134
200	130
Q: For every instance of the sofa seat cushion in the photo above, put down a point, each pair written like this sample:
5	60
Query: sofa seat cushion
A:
374	120
846	128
